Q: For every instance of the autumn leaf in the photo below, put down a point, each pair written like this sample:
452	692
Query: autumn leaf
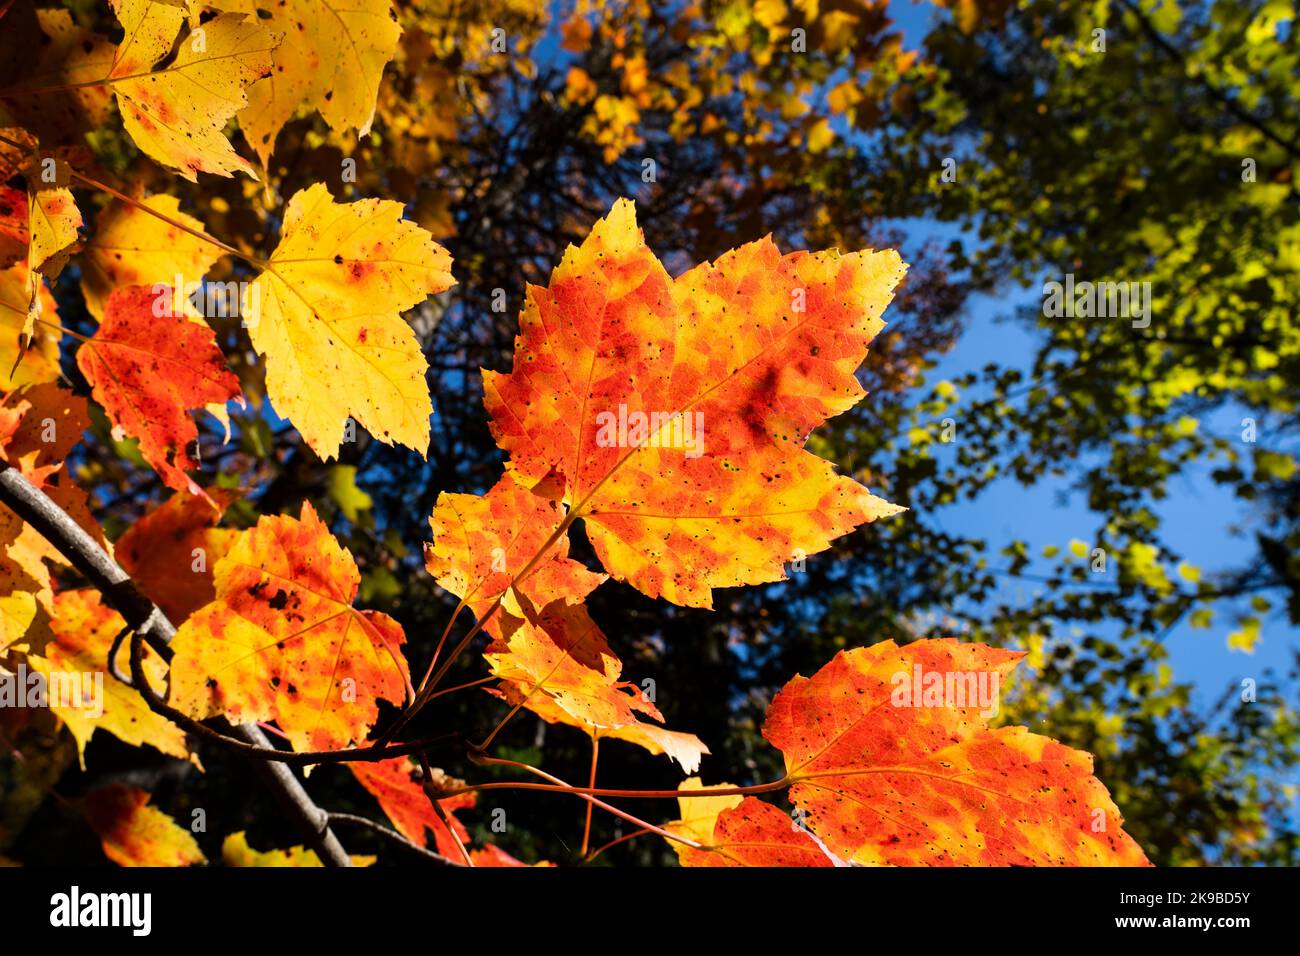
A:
172	551
53	221
699	815
130	246
235	851
136	834
560	666
675	410
331	60
27	359
326	315
84	630
396	785
282	641
482	542
148	366
39	425
889	752
749	833
176	112
17	611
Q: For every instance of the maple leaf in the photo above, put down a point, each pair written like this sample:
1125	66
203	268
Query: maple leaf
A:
17	612
53	220
699	815
84	630
557	663
39	425
326	315
136	834
748	833
235	851
282	641
482	542
132	247
560	666
148	366
331	60
736	360
396	784
26	356
171	552
176	112
887	778
44	222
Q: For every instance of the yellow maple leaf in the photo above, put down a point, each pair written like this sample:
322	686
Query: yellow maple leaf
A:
177	113
326	315
17	611
84	630
26	359
331	60
235	851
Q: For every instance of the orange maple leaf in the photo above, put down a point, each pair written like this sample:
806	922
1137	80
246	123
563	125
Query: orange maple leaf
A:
172	551
148	365
674	411
481	543
282	641
136	834
39	425
492	855
889	752
396	785
559	665
749	833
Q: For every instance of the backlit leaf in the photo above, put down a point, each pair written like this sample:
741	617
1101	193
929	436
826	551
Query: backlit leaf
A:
331	61
559	664
891	756
172	551
148	366
131	247
84	629
177	112
675	410
326	314
282	641
136	834
751	833
396	785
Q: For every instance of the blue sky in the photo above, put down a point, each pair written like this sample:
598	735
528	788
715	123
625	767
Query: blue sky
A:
1197	516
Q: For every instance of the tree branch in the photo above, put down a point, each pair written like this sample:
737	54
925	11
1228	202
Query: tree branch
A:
151	625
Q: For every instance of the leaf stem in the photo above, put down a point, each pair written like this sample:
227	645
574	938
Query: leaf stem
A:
591	783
